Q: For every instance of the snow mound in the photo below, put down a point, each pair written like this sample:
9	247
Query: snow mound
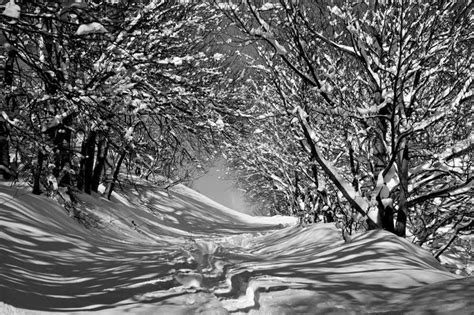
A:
167	252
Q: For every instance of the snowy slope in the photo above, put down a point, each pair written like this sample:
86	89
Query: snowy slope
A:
153	252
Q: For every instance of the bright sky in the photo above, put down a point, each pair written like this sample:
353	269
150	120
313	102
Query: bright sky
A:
221	190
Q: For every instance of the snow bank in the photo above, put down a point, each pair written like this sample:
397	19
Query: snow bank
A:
243	217
152	251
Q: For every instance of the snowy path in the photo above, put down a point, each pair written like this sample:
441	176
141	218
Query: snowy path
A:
152	253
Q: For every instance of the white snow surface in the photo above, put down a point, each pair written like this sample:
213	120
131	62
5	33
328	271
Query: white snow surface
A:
149	251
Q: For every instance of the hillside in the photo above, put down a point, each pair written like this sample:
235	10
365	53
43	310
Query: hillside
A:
171	252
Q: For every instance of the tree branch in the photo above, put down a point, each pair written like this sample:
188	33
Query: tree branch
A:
357	202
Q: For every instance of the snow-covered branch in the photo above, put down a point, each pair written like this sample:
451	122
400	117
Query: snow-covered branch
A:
353	197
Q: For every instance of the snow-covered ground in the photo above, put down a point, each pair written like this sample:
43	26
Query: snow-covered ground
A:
150	251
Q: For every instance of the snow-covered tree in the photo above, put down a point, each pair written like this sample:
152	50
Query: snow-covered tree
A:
97	87
384	87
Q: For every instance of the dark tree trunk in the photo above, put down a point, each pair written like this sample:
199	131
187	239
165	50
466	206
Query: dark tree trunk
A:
380	152
386	214
100	163
354	167
297	194
116	174
314	169
400	228
9	64
62	142
37	173
4	150
89	162
381	160
4	127
82	166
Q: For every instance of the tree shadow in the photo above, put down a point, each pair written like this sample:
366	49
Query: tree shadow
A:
50	263
194	216
376	271
43	267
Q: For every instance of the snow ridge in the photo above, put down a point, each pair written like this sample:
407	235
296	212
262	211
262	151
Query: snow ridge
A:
176	252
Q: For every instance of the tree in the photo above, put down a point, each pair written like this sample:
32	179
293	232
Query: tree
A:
394	75
267	161
99	88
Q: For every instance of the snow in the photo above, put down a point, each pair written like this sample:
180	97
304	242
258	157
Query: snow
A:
220	124
227	6
129	134
152	251
270	6
12	10
372	110
280	49
177	61
91	28
336	11
218	56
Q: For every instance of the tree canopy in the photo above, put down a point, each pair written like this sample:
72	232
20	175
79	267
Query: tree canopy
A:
353	112
379	96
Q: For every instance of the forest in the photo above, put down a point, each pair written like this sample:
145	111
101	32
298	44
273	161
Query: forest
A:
355	112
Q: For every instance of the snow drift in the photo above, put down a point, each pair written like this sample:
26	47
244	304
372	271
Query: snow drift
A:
151	251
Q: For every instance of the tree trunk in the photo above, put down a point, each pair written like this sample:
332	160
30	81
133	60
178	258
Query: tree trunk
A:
100	164
4	127
9	64
386	214
381	160
400	227
62	142
4	150
353	197
116	174
37	173
89	162
314	169
81	175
